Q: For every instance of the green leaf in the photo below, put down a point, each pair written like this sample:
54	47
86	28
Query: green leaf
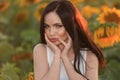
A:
9	72
30	35
6	51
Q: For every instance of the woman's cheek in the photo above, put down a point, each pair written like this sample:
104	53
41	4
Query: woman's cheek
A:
62	34
47	33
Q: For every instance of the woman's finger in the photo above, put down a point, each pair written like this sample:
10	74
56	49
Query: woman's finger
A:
61	41
69	39
47	40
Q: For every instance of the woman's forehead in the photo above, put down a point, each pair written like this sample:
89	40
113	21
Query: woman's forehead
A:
52	17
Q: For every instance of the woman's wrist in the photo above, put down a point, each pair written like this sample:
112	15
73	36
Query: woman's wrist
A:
57	55
64	57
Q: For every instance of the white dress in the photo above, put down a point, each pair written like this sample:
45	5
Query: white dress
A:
63	74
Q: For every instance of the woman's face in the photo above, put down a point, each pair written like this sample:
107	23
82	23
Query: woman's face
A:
54	27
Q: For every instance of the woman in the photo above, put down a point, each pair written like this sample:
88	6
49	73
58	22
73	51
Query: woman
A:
66	51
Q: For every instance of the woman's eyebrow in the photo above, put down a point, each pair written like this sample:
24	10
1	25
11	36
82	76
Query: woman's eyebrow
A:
53	24
57	24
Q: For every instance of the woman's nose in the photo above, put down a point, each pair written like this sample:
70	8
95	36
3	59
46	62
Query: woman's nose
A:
52	31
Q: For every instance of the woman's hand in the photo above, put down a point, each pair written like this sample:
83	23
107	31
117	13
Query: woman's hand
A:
52	46
67	46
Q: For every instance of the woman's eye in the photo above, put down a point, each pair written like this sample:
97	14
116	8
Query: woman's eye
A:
46	26
58	26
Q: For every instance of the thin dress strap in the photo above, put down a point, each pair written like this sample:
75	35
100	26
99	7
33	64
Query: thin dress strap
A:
82	61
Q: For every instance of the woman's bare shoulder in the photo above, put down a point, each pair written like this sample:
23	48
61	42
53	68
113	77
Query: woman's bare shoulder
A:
40	61
39	48
92	66
92	59
91	54
39	45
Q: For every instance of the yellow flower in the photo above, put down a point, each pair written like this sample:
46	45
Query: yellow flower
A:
30	76
119	32
27	2
4	6
106	36
104	8
39	10
116	4
90	0
76	1
109	15
21	17
88	11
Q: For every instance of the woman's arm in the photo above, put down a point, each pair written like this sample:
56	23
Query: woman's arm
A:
91	72
41	67
92	68
73	75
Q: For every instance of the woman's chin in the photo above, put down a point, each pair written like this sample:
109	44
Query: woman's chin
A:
56	43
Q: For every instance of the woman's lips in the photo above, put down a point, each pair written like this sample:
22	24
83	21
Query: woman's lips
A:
53	39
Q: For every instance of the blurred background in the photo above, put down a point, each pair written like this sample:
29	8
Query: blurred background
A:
19	33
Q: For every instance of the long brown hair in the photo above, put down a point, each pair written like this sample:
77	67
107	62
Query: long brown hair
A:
76	26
